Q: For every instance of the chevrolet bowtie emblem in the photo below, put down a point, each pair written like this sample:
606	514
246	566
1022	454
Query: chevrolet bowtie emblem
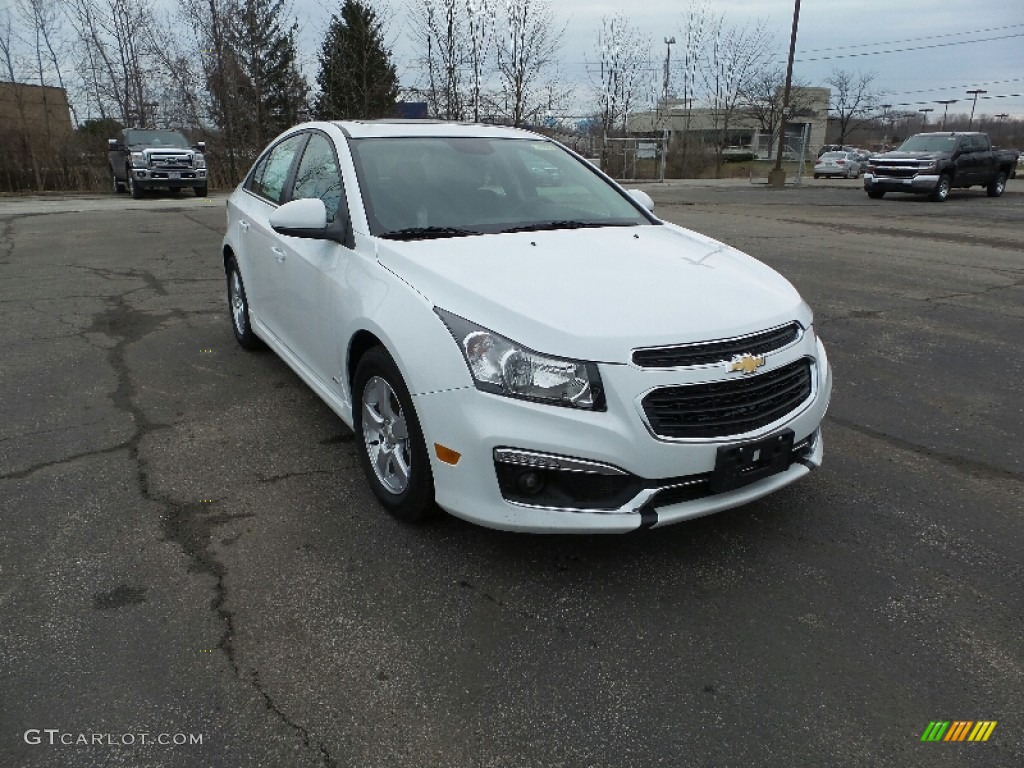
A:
746	363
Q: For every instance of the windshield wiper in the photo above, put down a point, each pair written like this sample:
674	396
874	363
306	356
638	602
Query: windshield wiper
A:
567	224
426	233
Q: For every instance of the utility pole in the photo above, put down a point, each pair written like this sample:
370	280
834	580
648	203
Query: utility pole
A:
669	42
924	117
975	93
945	103
777	176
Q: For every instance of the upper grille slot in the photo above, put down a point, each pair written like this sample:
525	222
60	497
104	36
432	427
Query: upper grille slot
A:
709	352
731	407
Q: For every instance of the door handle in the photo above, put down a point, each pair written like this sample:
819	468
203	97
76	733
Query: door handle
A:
244	226
278	254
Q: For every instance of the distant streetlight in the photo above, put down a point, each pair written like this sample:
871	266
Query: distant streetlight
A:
887	117
777	176
924	118
946	103
975	93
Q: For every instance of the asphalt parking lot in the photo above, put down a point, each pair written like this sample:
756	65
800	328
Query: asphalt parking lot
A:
189	551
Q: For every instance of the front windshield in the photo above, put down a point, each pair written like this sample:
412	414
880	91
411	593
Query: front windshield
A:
928	144
171	139
415	187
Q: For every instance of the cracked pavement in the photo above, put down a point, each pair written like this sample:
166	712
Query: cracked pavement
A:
188	545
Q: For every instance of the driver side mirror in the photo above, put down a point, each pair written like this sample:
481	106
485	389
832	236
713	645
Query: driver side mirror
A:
113	145
200	146
307	218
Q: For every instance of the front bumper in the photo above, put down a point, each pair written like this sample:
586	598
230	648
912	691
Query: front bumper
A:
476	423
919	183
172	179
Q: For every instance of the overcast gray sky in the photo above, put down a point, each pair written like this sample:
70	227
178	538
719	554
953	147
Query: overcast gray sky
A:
921	50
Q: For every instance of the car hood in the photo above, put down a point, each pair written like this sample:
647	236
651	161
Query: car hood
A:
596	294
911	156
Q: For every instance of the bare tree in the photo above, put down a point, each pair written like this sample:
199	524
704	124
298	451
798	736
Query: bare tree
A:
118	65
480	20
624	56
761	99
526	51
12	65
440	33
853	99
735	53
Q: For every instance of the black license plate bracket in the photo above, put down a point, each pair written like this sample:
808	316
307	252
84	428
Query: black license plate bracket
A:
744	463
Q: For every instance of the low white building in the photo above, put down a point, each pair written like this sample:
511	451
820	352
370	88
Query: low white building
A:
744	129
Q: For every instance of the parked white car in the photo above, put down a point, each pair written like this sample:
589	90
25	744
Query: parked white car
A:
529	356
845	164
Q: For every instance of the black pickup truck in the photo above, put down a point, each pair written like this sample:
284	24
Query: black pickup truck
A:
146	159
934	163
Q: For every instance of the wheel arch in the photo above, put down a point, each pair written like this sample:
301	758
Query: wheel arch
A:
361	343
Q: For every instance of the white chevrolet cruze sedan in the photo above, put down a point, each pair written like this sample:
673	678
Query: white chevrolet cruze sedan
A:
513	337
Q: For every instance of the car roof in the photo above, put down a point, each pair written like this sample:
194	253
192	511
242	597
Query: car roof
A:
361	129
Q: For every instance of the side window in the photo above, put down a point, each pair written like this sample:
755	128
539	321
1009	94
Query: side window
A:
253	182
318	175
275	172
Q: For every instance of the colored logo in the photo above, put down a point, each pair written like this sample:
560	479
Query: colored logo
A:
746	363
958	730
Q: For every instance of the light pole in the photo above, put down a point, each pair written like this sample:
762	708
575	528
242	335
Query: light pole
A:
945	103
887	119
777	176
975	93
924	117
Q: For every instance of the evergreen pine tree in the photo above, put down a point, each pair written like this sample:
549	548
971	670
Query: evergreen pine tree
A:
272	94
357	78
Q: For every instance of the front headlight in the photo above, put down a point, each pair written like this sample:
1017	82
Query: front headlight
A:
503	367
198	161
139	158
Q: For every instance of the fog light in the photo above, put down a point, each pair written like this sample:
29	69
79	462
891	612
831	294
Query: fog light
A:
530	482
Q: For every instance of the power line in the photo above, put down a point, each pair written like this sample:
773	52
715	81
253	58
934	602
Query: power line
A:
914	48
912	39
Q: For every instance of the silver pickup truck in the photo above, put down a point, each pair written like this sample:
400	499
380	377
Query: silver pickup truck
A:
147	159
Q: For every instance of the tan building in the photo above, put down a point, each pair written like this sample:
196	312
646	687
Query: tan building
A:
744	131
40	113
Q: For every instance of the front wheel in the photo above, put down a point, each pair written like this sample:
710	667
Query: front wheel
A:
393	453
995	189
941	191
133	187
876	194
200	191
238	306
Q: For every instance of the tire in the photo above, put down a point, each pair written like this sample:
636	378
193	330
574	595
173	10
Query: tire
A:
391	449
200	191
133	188
238	308
817	175
941	191
995	189
876	194
118	185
